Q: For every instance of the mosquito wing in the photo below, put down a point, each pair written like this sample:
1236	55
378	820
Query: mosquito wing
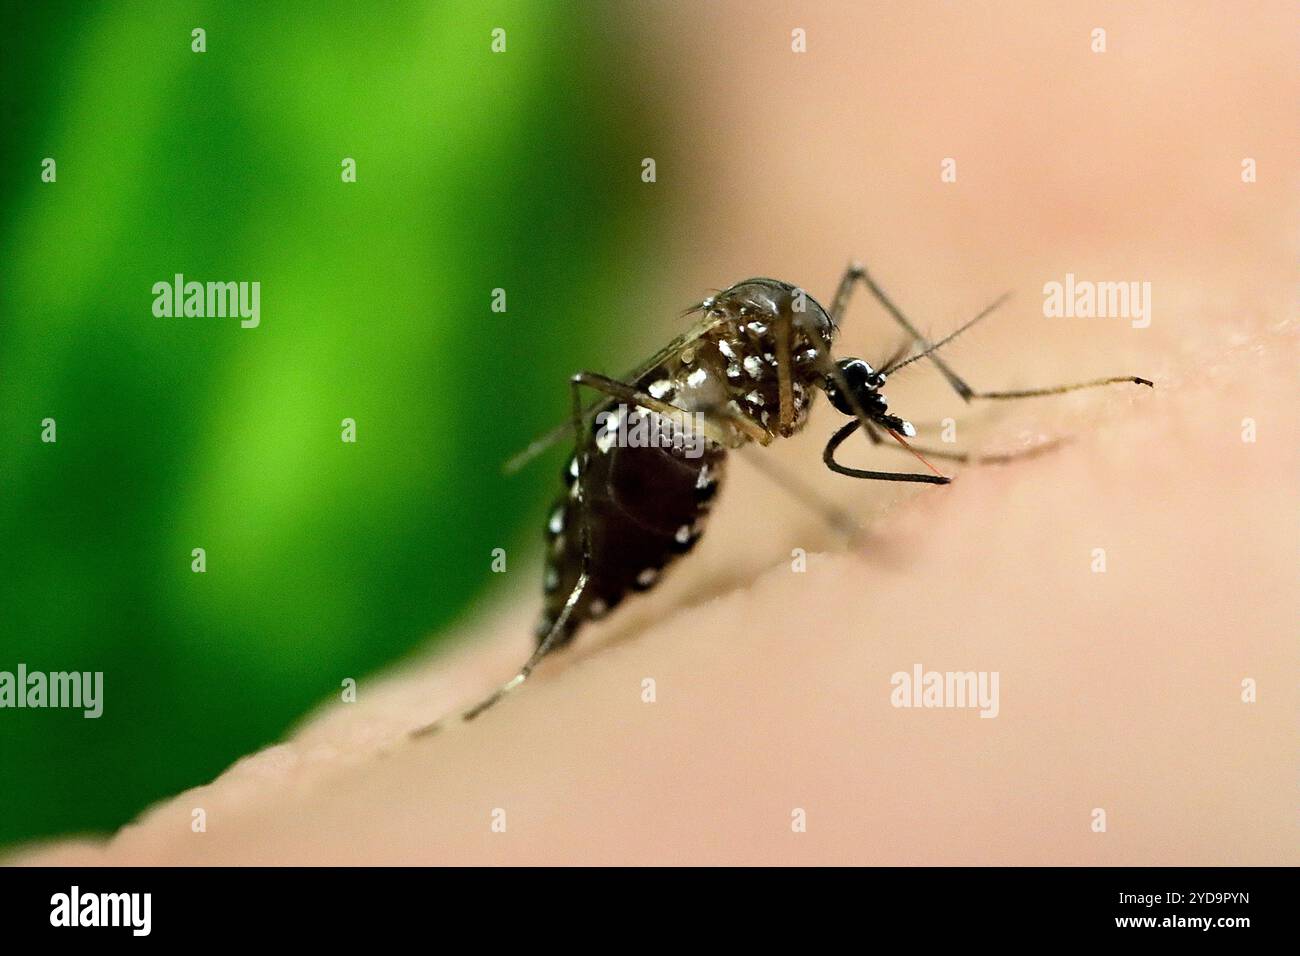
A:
558	433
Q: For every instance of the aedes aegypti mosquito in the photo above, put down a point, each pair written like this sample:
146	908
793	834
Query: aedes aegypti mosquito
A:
751	365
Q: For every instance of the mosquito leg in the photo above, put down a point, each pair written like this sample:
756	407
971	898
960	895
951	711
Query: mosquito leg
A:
960	386
1019	393
854	273
548	642
607	385
836	518
785	389
828	456
857	272
967	457
581	445
1061	389
632	396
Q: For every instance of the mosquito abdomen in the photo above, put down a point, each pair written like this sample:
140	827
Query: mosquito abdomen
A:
645	507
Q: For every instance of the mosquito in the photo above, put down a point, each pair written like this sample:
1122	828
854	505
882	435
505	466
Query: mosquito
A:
750	368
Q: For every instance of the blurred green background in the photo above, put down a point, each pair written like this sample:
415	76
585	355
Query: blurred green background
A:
325	560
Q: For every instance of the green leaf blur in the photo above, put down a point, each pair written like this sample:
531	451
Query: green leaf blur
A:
325	560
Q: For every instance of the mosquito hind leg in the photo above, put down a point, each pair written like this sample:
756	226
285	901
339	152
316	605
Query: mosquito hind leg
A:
544	647
580	451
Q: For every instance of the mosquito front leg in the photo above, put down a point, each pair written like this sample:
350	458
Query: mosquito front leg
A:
928	349
844	291
1061	389
857	272
1017	393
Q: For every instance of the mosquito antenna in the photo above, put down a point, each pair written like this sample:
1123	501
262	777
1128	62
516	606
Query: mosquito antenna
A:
894	367
898	354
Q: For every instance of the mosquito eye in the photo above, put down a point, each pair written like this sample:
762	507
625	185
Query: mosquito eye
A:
859	375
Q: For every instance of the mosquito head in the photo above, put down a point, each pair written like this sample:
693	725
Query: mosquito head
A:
863	384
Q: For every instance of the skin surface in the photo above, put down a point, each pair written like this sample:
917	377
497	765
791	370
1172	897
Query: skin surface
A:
1119	690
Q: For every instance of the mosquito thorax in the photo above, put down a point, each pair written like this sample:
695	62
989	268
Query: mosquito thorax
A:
760	302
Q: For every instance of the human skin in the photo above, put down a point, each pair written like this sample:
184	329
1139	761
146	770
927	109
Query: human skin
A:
1120	690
